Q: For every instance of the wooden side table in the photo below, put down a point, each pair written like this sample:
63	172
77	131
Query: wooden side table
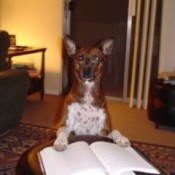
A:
37	82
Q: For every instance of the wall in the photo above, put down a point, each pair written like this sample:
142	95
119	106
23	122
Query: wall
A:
0	12
167	46
37	23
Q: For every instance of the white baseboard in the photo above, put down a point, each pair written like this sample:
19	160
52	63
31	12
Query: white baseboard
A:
51	92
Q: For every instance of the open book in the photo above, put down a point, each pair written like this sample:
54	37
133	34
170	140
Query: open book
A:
99	158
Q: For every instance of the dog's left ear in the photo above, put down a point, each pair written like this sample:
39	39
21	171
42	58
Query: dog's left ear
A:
107	45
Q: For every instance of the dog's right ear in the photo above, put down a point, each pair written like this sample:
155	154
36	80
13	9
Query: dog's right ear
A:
70	46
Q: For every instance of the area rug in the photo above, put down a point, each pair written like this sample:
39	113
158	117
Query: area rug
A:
15	142
162	157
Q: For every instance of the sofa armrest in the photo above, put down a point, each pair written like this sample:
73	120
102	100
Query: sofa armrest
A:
14	85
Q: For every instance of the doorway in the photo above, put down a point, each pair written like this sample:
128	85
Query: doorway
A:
93	20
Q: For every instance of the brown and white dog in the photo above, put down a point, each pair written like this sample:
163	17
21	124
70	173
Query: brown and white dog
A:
84	111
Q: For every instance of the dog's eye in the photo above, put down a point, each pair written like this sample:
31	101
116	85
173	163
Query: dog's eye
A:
80	59
95	60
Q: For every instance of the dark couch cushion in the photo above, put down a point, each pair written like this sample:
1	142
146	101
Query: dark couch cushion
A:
14	85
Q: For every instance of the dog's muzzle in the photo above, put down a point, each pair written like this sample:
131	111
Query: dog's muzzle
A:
87	74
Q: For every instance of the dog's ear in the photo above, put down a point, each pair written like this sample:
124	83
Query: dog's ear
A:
107	45
70	46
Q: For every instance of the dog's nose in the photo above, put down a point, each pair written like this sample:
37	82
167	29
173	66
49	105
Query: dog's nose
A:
87	73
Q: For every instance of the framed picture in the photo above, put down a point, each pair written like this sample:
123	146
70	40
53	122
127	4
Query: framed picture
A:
12	40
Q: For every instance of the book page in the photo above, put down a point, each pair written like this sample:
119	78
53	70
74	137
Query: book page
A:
118	160
51	164
78	159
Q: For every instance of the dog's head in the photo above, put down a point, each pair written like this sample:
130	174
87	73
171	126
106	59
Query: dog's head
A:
89	61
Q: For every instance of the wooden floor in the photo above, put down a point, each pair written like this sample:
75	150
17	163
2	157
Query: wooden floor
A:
39	112
133	123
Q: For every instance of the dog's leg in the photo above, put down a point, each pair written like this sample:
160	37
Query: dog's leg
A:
61	141
119	139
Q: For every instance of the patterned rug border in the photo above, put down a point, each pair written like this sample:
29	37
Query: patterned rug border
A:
15	142
153	144
160	156
41	126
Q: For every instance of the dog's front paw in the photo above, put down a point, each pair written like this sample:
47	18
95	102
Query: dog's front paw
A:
119	139
60	144
122	141
61	141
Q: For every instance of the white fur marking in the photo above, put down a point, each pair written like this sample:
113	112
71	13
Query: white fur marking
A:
88	97
85	119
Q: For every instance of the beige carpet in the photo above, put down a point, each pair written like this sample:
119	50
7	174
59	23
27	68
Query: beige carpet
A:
133	123
40	112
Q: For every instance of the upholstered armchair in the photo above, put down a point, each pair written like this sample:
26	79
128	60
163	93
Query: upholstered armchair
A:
161	105
14	85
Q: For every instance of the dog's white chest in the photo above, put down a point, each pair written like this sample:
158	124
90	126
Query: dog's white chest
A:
85	119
